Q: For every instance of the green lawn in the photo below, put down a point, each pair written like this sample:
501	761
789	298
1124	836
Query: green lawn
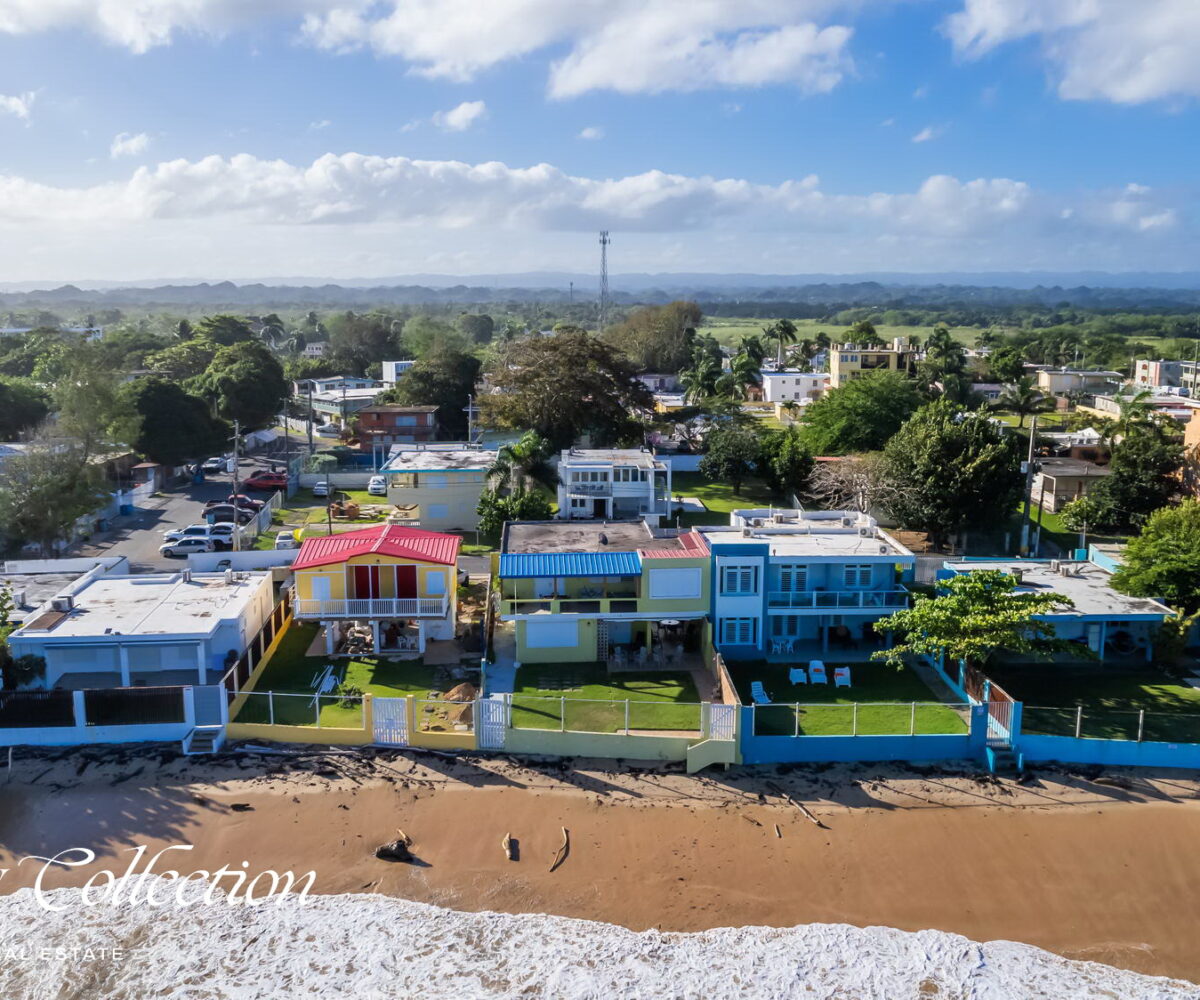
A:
828	711
584	697
290	672
1111	697
719	498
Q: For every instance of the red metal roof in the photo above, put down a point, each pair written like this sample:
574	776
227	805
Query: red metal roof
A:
691	545
385	540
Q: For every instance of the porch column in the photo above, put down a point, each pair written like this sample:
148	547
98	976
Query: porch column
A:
824	627
1103	638
123	655
375	635
421	636
201	666
330	638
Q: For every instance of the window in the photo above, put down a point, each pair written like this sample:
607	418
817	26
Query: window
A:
739	580
739	631
793	579
627	475
858	576
435	582
579	503
785	626
677	583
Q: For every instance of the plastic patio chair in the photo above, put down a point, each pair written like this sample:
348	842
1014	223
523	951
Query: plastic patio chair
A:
797	675
841	677
759	693
816	672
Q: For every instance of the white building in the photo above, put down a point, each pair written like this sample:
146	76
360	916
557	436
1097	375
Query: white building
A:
613	484
316	349
392	370
784	386
437	486
157	629
33	582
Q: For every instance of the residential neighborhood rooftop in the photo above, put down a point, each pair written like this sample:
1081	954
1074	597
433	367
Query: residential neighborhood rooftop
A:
1071	467
336	395
812	534
159	604
1086	584
611	456
427	460
586	536
385	540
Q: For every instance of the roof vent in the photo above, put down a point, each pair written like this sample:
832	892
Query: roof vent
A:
64	602
228	577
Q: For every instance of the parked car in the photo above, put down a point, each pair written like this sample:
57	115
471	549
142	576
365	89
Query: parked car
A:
185	547
267	481
321	489
222	535
286	540
329	430
245	503
377	486
214	465
227	512
191	531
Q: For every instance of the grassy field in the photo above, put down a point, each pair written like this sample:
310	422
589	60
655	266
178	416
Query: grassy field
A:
290	672
824	710
730	329
1111	698
719	498
584	697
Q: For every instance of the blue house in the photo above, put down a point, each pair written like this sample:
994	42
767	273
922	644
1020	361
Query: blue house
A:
1103	619
795	583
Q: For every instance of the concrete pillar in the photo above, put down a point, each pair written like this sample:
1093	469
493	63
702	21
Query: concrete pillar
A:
80	710
825	627
421	636
375	635
123	655
201	665
330	637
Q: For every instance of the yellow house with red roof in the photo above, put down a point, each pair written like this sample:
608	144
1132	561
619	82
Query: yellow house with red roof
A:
388	587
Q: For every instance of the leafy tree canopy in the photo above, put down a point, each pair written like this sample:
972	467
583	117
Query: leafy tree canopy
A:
224	330
1164	560
478	328
658	338
176	428
975	615
23	405
245	382
45	489
444	379
566	386
521	505
732	455
860	415
951	470
1140	481
785	462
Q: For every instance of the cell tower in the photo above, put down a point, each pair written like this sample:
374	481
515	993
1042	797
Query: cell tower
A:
604	242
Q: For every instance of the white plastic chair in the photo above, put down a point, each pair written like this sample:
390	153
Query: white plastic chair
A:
759	694
776	647
816	672
797	675
841	677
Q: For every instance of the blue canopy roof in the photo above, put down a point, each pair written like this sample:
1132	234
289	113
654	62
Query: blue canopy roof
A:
571	564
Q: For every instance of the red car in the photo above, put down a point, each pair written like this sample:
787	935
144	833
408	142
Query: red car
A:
267	481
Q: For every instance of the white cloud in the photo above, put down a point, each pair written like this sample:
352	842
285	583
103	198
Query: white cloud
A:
624	45
1126	51
18	104
592	132
921	92
461	117
128	144
927	133
320	124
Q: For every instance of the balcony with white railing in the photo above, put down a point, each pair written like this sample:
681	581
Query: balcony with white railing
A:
603	489
373	607
837	600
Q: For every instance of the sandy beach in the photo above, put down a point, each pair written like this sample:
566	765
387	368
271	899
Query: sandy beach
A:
1101	867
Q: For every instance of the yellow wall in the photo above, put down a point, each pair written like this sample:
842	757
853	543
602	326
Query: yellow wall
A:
663	606
596	744
299	734
583	652
340	573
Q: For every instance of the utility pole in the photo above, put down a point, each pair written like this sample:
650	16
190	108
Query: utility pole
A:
310	418
604	242
571	293
471	416
1028	487
237	510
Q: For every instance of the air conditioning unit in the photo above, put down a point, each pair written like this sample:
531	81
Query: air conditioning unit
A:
747	532
847	522
865	532
228	577
1054	565
64	602
757	522
884	550
18	597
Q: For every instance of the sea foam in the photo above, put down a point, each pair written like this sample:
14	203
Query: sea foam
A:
369	946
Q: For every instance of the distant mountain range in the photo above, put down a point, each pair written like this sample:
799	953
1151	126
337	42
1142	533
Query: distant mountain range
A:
804	295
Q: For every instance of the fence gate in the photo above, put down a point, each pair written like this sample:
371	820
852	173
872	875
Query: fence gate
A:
491	722
206	701
391	721
722	723
999	731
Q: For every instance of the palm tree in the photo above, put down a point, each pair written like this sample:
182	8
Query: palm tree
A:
782	332
271	334
699	381
942	351
1134	412
523	465
1023	398
753	347
791	408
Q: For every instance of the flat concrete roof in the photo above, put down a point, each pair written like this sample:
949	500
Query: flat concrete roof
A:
433	461
812	542
1071	467
38	588
1088	586
583	536
609	456
335	395
158	604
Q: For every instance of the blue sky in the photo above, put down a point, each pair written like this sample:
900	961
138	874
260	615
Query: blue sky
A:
360	138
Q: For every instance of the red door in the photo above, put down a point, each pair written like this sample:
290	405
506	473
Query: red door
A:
406	581
366	582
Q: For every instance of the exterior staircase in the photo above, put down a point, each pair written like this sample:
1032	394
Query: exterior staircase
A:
1005	760
204	739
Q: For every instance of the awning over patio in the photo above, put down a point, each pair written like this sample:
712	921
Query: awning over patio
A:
549	564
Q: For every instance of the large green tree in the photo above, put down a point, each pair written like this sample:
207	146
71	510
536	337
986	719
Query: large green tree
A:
176	428
224	330
524	465
732	455
1023	398
860	415
974	616
45	489
23	405
478	328
244	382
657	338
1141	479
785	462
184	360
566	386
521	505
424	335
445	379
1164	560
91	409
951	470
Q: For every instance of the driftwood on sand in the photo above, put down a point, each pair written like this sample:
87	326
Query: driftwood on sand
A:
507	845
561	854
804	809
397	850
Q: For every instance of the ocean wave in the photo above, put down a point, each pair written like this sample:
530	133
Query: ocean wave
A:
372	947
